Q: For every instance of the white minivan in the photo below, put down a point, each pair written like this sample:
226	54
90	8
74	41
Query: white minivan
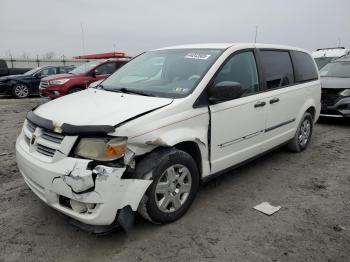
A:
144	138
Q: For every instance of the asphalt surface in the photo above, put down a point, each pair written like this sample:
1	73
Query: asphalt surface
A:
313	224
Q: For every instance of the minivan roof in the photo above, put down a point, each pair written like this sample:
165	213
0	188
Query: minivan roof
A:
227	45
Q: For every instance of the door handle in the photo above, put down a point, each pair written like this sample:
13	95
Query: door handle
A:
259	104
274	100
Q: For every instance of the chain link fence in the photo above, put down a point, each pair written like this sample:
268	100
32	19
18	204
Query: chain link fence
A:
32	63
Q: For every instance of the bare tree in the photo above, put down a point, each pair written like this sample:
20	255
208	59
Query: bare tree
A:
49	55
25	55
8	54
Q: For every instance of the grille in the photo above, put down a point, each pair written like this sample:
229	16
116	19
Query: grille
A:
43	84
47	143
330	96
31	127
52	136
45	150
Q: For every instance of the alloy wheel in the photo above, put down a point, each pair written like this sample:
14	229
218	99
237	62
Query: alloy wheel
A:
173	188
21	91
304	132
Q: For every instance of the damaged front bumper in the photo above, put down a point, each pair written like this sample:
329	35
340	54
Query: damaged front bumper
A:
93	196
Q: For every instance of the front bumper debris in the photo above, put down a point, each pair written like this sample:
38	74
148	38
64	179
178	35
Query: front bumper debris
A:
100	193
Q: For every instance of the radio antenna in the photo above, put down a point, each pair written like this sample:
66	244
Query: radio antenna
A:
256	33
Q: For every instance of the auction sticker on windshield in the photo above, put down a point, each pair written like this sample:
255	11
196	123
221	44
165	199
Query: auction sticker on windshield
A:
197	56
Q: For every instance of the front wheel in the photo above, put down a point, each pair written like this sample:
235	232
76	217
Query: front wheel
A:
175	183
74	90
303	134
20	91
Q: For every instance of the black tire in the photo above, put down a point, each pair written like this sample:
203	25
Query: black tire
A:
20	90
297	144
75	89
154	166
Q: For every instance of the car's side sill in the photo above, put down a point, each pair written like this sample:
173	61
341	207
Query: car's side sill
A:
210	177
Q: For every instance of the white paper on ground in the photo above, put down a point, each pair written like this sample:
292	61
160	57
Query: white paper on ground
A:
267	208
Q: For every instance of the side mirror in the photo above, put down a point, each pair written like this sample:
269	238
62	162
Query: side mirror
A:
224	91
92	74
38	75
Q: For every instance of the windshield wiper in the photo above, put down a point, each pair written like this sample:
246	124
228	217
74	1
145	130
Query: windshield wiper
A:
129	91
99	87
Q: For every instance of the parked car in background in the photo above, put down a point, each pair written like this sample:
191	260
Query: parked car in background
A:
22	86
335	79
80	78
5	71
170	118
323	56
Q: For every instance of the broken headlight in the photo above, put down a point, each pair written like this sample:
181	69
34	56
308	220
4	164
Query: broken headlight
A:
101	149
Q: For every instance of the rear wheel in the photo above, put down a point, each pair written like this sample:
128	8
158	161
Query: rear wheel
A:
175	183
20	91
303	134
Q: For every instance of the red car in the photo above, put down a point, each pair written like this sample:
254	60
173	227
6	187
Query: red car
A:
79	78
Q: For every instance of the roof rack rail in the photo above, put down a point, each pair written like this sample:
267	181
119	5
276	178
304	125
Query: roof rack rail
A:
102	56
329	48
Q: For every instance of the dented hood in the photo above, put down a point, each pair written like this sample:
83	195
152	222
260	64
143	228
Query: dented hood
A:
98	107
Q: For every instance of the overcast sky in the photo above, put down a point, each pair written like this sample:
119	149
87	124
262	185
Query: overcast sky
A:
133	26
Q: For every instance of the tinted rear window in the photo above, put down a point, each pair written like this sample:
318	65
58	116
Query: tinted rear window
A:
304	67
278	69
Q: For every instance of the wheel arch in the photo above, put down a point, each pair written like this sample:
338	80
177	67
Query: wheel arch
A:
192	148
312	111
311	107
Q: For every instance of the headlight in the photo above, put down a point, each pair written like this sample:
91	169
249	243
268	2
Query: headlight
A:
101	149
59	81
345	92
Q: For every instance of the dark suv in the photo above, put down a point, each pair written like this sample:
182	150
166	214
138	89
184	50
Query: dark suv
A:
335	78
24	85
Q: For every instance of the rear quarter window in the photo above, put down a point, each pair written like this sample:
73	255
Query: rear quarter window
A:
304	67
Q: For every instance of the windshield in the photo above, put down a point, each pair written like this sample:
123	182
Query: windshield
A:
336	69
322	61
30	72
163	73
84	68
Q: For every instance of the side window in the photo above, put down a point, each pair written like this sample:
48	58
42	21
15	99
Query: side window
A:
106	69
48	71
119	64
64	70
278	69
240	68
304	66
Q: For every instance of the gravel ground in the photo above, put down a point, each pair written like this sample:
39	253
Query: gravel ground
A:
313	224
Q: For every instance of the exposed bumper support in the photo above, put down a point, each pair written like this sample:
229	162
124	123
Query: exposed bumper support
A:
124	220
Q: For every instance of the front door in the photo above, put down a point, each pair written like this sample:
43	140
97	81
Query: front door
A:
101	72
237	126
43	73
